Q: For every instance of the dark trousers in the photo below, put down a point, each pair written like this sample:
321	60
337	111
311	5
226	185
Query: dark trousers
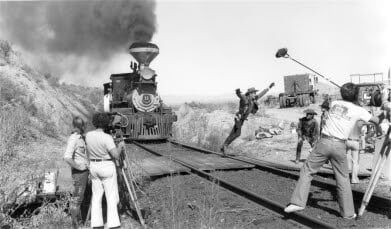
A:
235	132
80	180
310	140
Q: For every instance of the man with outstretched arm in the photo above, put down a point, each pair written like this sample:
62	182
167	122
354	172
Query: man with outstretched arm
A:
338	124
247	105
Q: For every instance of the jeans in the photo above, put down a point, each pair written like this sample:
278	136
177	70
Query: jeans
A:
235	132
104	180
324	150
80	180
310	140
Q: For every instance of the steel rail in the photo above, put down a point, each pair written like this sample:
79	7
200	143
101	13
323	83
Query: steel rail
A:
376	201
261	200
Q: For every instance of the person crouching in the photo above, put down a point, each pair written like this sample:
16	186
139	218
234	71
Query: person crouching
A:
102	153
307	129
75	156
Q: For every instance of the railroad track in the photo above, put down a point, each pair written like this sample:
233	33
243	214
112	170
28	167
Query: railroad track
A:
262	200
376	200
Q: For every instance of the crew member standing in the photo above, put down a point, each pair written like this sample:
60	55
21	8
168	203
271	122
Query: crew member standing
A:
247	105
307	129
75	156
102	152
339	123
353	151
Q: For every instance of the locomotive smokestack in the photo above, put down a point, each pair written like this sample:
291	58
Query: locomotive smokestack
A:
144	52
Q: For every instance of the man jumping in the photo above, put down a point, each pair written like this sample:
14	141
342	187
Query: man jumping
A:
247	105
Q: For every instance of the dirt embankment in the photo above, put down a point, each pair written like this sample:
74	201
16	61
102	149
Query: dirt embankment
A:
35	116
49	104
210	128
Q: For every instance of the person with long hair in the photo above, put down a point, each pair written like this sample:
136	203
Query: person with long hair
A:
75	156
102	153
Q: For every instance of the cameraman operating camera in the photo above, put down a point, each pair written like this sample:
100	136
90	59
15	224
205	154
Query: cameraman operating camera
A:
102	153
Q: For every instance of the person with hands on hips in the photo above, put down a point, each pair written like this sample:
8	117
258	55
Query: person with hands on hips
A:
75	156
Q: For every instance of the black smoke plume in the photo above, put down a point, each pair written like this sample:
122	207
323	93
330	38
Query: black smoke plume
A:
93	30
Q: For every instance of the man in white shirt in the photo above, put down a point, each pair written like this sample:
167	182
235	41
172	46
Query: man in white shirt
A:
338	124
102	152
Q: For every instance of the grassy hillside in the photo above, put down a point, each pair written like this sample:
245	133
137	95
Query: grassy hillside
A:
35	117
48	106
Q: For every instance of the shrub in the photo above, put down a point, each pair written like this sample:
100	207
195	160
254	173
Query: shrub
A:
5	49
13	122
49	129
9	92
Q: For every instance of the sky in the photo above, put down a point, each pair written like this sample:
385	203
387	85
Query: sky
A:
210	48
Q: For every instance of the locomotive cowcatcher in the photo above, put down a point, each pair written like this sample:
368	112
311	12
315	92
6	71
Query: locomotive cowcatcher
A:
132	99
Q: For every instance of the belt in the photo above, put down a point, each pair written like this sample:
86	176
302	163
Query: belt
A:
356	140
332	138
100	160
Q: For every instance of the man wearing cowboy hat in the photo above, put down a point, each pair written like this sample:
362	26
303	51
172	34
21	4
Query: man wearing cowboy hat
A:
307	129
247	105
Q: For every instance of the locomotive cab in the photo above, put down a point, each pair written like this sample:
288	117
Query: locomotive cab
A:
136	101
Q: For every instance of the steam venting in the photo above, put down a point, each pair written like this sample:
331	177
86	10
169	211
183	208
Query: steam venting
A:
63	34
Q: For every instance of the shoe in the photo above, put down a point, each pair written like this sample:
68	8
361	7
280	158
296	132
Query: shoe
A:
293	208
355	181
350	217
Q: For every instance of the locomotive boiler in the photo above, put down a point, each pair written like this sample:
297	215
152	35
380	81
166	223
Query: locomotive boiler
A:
138	111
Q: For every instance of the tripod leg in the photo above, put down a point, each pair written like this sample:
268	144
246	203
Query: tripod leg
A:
133	198
374	178
136	203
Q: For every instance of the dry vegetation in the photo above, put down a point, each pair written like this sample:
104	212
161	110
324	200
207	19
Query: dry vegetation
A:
35	112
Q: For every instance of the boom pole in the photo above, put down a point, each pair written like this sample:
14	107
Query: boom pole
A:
284	53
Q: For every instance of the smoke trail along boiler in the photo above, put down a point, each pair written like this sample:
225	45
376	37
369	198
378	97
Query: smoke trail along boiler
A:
140	112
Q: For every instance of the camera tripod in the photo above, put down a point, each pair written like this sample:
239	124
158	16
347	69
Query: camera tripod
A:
383	156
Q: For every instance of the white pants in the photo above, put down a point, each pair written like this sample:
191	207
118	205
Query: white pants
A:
104	180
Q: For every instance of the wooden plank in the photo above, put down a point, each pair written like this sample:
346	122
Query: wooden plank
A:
289	165
157	166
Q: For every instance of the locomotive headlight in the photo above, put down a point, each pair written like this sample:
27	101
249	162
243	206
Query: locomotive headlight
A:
147	73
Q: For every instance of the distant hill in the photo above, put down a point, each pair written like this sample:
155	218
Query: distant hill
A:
324	88
48	104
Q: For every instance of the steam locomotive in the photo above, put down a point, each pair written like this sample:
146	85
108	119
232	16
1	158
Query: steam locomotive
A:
132	99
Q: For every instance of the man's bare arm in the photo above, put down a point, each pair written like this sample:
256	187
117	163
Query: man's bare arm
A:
73	164
116	152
